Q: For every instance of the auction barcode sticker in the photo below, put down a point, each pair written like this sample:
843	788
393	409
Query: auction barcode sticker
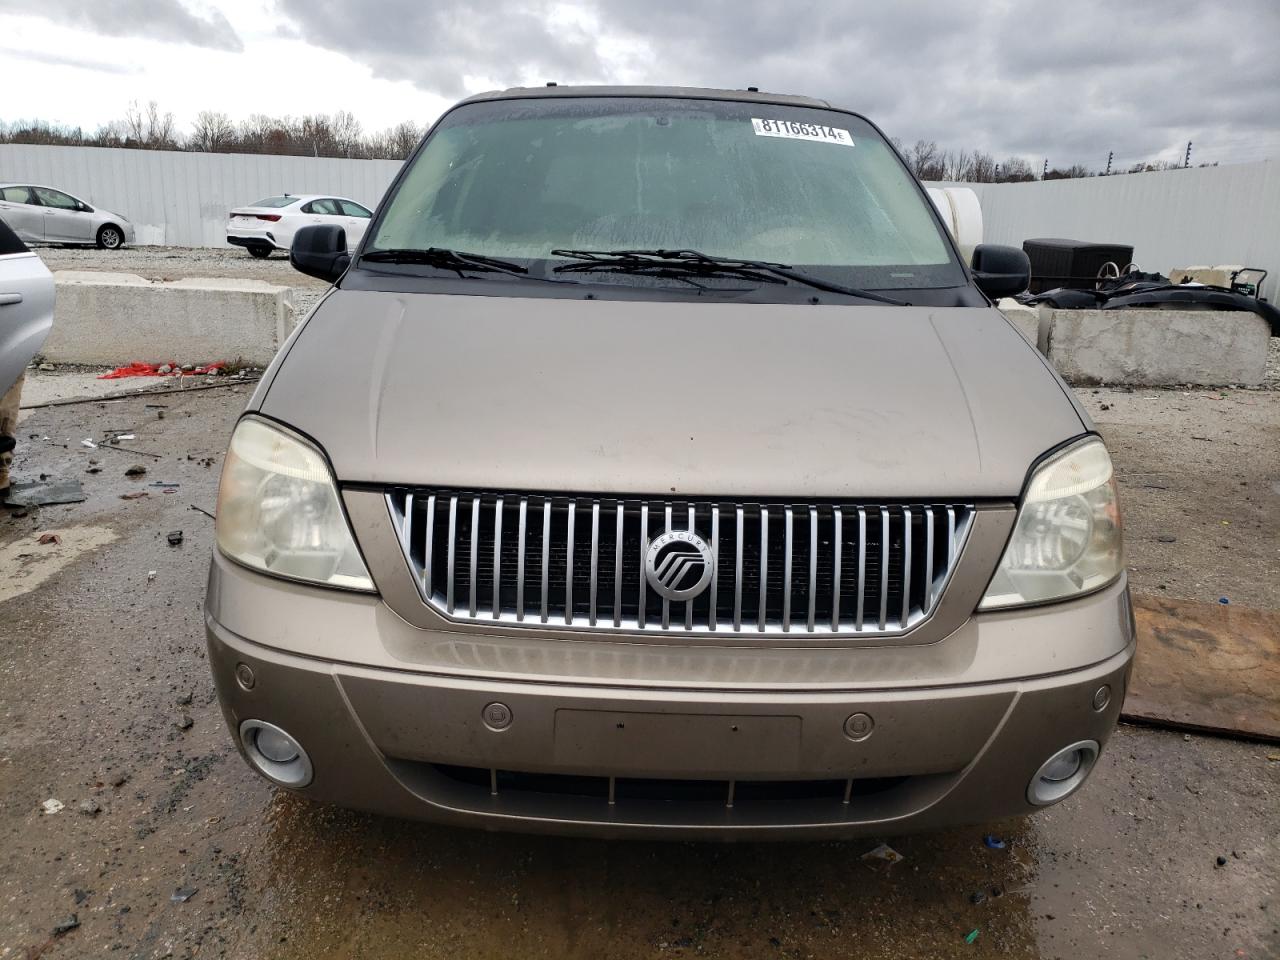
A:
801	131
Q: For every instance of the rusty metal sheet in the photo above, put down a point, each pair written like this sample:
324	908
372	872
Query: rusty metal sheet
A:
1206	666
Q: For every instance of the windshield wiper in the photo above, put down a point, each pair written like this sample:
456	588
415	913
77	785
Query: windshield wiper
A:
695	261
672	263
445	259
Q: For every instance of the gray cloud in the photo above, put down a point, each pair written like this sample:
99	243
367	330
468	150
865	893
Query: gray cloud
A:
54	60
1066	82
437	45
152	19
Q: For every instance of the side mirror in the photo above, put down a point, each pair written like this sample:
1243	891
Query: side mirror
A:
320	251
85	208
1000	271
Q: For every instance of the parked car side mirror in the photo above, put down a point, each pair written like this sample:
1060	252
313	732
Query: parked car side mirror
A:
320	251
1000	271
84	207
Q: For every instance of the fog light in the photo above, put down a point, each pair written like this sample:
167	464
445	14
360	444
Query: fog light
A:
1063	773
275	754
276	745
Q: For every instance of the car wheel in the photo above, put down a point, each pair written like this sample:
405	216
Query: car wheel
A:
110	237
260	252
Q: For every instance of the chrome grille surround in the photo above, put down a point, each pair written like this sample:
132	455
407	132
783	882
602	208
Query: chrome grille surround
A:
871	579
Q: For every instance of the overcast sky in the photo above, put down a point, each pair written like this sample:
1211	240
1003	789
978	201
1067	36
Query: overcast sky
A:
1063	80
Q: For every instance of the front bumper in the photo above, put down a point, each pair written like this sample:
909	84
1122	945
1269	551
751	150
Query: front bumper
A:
415	736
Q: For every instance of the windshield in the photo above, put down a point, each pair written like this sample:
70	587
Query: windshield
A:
817	189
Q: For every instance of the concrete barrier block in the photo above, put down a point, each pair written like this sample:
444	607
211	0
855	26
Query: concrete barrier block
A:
1151	347
1026	319
117	318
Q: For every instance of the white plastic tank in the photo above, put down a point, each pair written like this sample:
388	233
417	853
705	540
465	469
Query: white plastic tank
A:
961	212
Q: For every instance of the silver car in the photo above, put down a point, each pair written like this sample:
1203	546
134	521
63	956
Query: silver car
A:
656	466
41	214
26	307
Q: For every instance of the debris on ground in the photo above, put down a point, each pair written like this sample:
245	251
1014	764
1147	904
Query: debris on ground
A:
1222	861
136	470
44	492
994	842
204	511
971	936
136	495
167	485
174	537
90	807
49	538
52	806
977	897
86	442
160	370
63	927
185	722
151	575
884	852
183	894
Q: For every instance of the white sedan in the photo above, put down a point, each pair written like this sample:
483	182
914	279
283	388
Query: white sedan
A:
271	223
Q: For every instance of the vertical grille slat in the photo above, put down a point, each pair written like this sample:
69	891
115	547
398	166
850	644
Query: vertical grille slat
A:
884	568
713	614
568	579
595	558
495	563
906	565
546	559
617	571
862	567
787	551
475	551
763	620
813	568
453	539
928	558
737	575
837	540
497	559
644	546
428	546
524	525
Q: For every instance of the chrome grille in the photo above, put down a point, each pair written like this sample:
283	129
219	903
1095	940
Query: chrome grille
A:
577	563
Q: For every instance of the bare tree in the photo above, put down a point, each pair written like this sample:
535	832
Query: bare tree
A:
922	156
346	133
148	127
402	138
212	132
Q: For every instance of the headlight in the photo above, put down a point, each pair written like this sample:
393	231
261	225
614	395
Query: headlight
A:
1067	540
279	512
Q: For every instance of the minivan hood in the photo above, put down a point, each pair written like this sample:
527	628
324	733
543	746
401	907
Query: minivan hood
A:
692	398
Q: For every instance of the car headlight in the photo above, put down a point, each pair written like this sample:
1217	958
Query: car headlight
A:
1067	539
279	511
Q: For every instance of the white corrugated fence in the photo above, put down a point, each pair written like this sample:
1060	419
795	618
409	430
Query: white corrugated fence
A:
182	199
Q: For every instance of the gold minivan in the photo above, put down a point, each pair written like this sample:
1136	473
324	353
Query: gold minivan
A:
655	466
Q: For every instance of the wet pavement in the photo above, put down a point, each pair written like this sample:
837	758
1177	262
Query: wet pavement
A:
106	706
